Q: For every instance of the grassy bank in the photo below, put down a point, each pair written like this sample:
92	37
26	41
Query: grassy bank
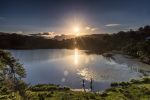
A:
133	90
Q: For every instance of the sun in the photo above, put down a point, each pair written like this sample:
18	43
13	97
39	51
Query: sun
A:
76	30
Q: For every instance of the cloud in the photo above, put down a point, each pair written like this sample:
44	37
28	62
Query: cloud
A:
93	29
87	28
112	25
51	33
18	32
90	28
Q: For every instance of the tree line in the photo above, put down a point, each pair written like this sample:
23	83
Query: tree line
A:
135	43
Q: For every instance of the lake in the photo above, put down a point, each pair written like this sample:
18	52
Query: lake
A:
69	67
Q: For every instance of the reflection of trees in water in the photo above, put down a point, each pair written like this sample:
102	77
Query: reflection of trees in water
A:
138	69
145	73
109	58
132	66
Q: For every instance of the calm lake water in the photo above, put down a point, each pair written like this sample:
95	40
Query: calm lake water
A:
69	67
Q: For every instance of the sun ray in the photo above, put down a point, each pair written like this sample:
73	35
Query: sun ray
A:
76	30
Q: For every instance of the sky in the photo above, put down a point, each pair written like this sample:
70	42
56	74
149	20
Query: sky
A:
60	16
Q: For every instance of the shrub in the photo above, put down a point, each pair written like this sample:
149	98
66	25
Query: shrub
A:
111	89
146	80
104	94
135	81
114	84
124	84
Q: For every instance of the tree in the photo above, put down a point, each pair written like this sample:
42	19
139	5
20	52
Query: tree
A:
11	72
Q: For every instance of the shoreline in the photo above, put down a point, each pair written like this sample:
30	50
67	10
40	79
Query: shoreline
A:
134	89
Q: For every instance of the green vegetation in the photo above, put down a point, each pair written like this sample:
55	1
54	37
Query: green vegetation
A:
134	90
11	72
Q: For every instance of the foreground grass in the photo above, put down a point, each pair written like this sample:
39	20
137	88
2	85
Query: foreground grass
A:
134	90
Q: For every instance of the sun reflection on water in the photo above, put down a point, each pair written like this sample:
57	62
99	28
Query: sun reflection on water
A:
86	74
81	69
76	56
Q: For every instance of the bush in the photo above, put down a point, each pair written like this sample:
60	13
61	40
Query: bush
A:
146	80
114	84
104	94
124	84
135	81
111	89
48	87
92	97
66	88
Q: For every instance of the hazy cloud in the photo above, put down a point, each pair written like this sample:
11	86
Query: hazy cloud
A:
87	28
20	32
51	33
112	25
90	28
93	29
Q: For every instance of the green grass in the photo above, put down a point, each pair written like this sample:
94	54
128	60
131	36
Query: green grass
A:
134	90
